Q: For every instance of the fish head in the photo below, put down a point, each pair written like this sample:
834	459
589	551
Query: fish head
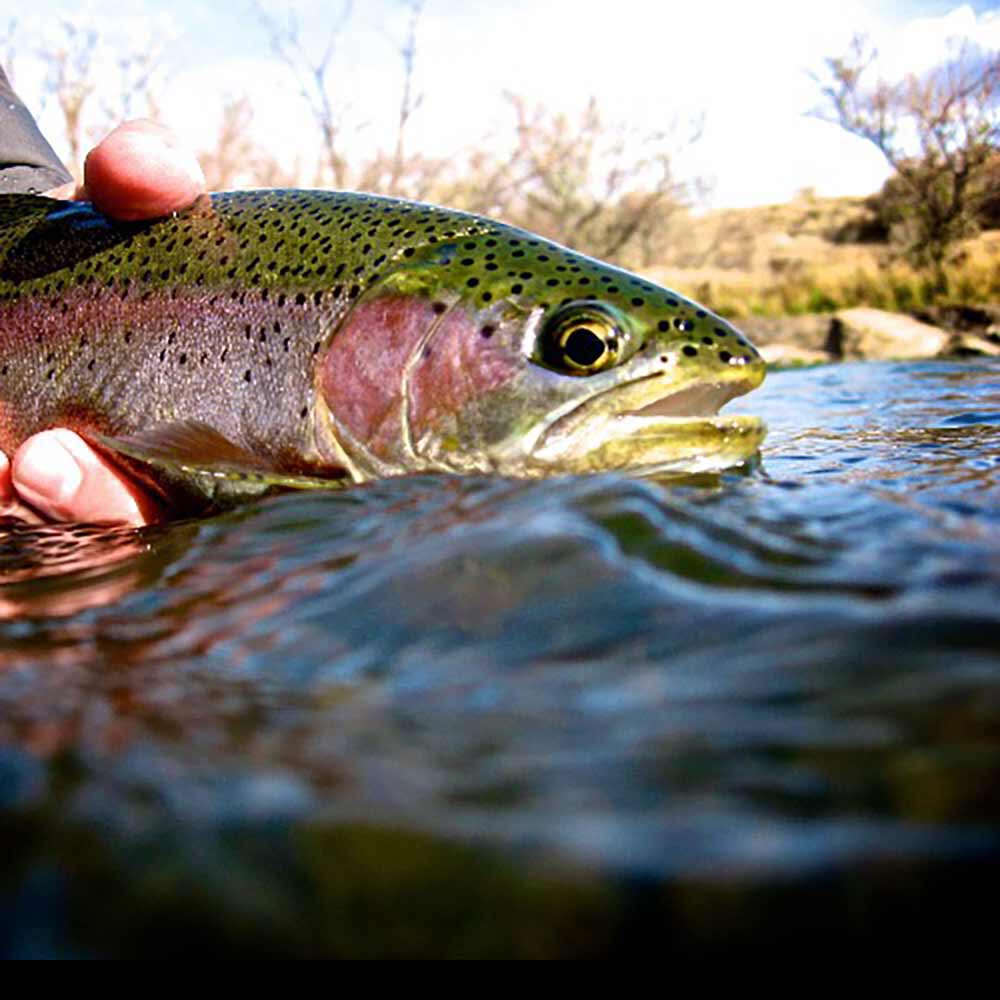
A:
502	352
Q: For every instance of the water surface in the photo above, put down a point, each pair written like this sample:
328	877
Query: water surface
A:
442	716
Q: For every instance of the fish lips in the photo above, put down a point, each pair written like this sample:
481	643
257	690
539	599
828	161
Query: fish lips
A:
679	431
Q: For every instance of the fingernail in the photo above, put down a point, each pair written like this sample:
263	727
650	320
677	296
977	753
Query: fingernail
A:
48	473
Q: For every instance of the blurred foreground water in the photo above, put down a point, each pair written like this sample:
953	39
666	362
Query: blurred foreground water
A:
443	716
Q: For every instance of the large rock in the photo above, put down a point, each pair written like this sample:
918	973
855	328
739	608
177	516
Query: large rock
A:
970	345
981	319
809	331
872	333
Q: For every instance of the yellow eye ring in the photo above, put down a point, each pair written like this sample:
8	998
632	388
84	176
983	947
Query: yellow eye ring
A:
582	338
586	346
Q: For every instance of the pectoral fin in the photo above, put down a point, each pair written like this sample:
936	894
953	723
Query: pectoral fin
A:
192	467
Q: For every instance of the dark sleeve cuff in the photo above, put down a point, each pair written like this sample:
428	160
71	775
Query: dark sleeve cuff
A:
27	162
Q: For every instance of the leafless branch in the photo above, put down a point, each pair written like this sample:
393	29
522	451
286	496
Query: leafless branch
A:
313	78
938	131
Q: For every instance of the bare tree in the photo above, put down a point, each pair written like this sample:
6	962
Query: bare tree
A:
588	183
236	160
409	101
226	164
136	90
75	56
939	131
313	77
70	82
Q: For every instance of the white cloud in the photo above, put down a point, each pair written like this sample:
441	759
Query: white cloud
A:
926	42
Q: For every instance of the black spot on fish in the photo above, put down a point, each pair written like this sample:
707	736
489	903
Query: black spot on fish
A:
690	351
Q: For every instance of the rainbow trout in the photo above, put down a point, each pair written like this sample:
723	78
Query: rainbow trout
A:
297	339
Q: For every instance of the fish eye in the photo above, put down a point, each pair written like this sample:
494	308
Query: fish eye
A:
580	339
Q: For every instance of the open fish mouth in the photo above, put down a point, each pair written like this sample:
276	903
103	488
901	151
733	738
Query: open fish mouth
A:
703	400
681	431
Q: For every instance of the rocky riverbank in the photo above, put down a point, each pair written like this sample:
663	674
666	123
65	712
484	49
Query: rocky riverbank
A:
861	333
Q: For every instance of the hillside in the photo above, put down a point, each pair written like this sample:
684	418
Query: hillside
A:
811	254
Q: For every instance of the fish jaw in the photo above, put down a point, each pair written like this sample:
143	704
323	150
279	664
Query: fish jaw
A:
648	444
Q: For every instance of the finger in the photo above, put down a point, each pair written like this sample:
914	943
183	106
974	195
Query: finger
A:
141	171
61	476
10	505
6	486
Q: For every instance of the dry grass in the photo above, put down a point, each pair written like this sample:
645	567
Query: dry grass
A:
791	259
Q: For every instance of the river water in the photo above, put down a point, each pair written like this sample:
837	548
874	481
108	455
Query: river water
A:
586	716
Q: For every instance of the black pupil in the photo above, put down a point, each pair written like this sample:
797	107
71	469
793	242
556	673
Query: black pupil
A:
583	347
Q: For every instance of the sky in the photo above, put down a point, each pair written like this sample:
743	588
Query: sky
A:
747	68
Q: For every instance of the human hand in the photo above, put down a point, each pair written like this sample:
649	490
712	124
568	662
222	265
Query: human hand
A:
138	172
